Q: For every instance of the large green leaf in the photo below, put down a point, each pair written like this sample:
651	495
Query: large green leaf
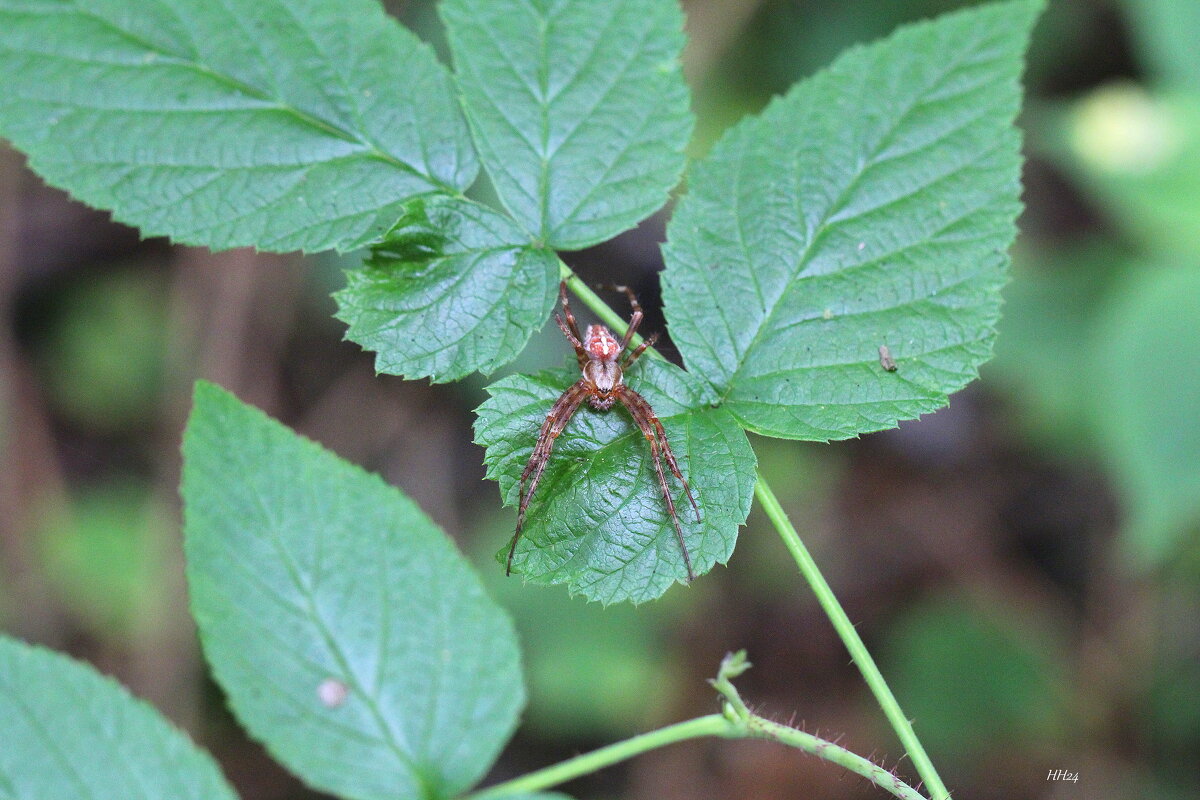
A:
454	288
350	635
578	108
283	124
598	521
872	205
1147	380
70	732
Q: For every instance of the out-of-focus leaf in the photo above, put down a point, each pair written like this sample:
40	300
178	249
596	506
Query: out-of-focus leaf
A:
350	635
1139	155
598	521
1146	389
873	205
454	288
593	672
1043	353
578	108
1166	32
102	360
70	732
1006	682
104	555
282	124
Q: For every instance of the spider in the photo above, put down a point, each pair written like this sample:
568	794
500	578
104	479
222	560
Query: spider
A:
602	385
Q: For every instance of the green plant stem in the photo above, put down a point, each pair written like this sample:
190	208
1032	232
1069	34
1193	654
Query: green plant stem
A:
849	635
711	725
752	727
808	568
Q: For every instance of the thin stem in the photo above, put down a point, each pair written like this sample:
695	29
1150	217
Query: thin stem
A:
849	635
735	722
808	568
711	725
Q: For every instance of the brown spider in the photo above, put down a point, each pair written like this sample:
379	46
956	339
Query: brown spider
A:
599	354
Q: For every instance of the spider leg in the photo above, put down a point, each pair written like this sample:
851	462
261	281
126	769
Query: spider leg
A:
648	412
556	421
635	320
651	428
673	464
562	296
641	348
571	328
580	353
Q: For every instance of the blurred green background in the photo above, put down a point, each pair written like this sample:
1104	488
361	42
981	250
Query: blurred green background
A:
1024	564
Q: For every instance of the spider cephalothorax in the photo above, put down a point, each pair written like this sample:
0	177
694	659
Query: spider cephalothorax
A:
600	358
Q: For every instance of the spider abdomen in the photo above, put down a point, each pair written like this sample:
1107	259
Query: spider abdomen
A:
600	344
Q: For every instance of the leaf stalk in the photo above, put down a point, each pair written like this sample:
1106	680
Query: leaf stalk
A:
736	721
850	638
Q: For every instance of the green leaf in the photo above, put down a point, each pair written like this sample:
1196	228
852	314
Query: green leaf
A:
454	288
71	732
1146	383
283	124
598	521
872	205
350	635
578	108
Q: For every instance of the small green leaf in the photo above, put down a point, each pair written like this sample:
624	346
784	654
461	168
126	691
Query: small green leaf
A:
283	124
350	635
1147	381
871	206
454	288
71	732
598	521
578	108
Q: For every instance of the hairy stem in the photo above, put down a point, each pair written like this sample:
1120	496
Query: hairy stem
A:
849	635
735	722
808	568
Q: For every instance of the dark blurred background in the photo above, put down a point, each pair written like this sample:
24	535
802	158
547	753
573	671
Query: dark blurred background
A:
1024	563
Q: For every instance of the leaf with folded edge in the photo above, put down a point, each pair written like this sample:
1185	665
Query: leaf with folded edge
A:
578	107
455	287
282	124
598	521
872	205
